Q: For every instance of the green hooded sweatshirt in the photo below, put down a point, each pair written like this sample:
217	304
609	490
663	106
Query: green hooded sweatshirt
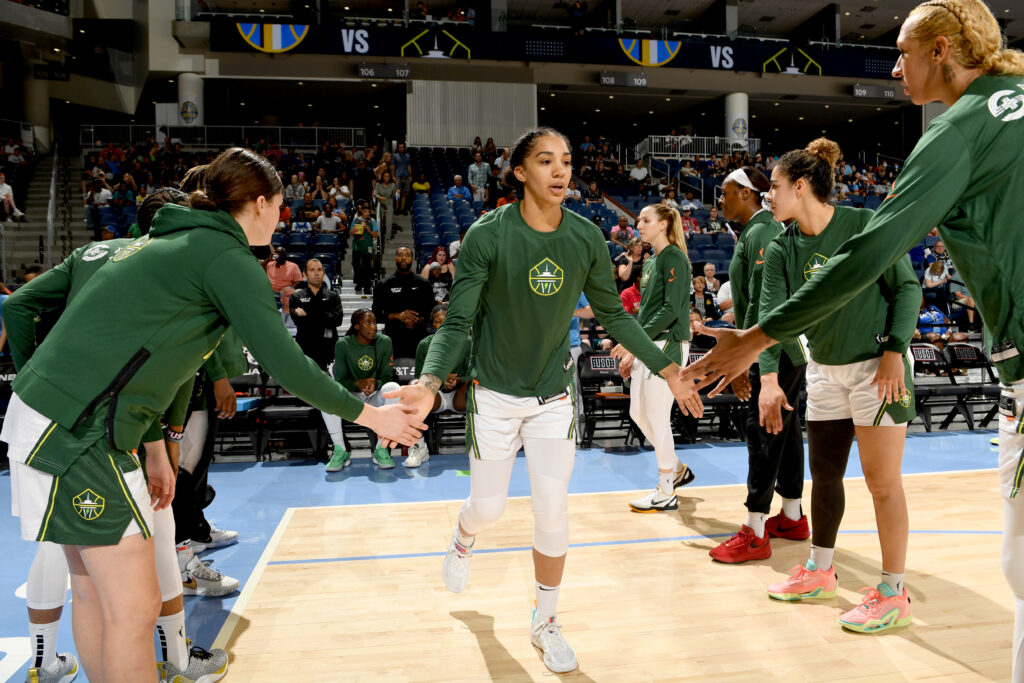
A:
146	321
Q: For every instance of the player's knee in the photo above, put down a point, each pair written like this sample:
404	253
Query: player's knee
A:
47	584
480	513
551	534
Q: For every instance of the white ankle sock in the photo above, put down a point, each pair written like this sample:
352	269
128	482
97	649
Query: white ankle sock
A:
755	520
821	558
171	630
792	509
44	639
665	480
547	602
894	581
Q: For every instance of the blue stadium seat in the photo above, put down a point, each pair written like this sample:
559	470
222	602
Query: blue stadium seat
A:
701	240
872	201
714	255
930	241
329	240
277	239
319	203
296	242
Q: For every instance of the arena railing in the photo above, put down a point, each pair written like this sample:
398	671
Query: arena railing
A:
686	146
51	208
304	137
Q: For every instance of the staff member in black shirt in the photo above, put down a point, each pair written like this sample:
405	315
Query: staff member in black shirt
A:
317	313
403	302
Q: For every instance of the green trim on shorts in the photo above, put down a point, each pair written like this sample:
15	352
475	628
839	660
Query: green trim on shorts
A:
470	420
1020	422
49	509
572	423
39	444
1018	475
128	496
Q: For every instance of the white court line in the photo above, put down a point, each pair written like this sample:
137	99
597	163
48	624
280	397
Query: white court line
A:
231	623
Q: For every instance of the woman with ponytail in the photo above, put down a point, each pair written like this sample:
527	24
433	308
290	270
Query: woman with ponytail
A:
775	461
965	177
859	381
665	317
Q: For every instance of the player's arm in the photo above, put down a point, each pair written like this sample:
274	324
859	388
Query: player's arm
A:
906	303
774	293
933	179
675	303
740	287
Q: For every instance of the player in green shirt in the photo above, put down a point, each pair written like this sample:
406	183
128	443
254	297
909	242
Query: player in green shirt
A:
521	270
775	462
964	176
665	316
364	363
859	379
452	396
364	235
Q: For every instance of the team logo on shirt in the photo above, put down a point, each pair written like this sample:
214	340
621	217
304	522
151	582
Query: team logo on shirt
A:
133	248
88	504
96	252
1007	105
546	278
644	279
365	363
816	263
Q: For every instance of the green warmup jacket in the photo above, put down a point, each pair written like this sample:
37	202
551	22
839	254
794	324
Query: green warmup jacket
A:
882	317
143	325
965	176
354	361
516	290
665	299
462	367
745	271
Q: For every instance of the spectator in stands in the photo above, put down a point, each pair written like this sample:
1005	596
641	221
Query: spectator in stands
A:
403	303
724	302
403	178
307	213
622	234
702	301
419	12
455	247
586	146
459	192
294	190
593	195
122	197
631	298
695	203
477	146
490	153
422	185
710	281
384	165
508	198
438	282
938	253
503	161
7	200
283	274
364	232
384	193
97	197
688	170
32	272
331	220
690	223
670	199
363	181
639	177
477	176
316	311
573	194
577	16
493	190
713	223
319	191
284	219
630	264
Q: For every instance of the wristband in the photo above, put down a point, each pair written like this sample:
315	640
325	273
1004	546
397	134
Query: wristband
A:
172	435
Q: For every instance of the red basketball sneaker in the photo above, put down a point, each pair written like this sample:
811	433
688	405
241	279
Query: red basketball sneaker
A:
742	547
781	526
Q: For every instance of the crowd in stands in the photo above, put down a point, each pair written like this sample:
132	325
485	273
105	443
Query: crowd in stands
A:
15	173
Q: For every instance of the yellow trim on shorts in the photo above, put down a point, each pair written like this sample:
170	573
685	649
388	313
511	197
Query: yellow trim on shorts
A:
1017	476
49	509
881	413
1020	422
470	420
131	501
572	423
28	461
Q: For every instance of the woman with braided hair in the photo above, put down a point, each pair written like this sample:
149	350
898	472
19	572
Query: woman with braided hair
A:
964	176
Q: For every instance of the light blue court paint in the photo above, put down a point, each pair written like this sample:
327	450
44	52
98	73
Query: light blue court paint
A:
252	497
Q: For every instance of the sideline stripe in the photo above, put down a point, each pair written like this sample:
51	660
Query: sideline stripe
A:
589	544
231	623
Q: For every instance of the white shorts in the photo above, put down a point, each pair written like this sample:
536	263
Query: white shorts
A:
447	402
1011	439
31	488
843	392
497	423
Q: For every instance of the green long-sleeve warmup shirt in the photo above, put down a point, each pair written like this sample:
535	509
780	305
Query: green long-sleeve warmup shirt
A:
516	289
965	176
354	361
880	318
665	299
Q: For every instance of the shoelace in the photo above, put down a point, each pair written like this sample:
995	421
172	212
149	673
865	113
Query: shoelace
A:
199	653
741	538
797	573
210	573
870	600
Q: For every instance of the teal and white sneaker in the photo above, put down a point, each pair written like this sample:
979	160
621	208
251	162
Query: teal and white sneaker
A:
558	654
66	671
203	666
340	459
383	458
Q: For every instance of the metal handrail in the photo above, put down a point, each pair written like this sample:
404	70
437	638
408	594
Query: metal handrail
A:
687	146
300	137
51	207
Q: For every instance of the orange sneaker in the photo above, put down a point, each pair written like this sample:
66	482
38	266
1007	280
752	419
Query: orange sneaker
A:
742	547
881	609
804	583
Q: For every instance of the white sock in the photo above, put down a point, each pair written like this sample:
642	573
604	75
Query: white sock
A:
171	630
755	520
44	637
665	480
547	602
792	509
821	558
464	541
894	581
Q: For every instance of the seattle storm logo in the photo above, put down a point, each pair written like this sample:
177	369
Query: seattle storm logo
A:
365	363
816	263
905	399
546	278
88	504
643	280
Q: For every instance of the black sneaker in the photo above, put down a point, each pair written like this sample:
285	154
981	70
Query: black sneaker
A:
683	477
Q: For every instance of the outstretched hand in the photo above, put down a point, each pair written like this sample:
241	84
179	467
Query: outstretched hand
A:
417	400
395	424
734	352
684	391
